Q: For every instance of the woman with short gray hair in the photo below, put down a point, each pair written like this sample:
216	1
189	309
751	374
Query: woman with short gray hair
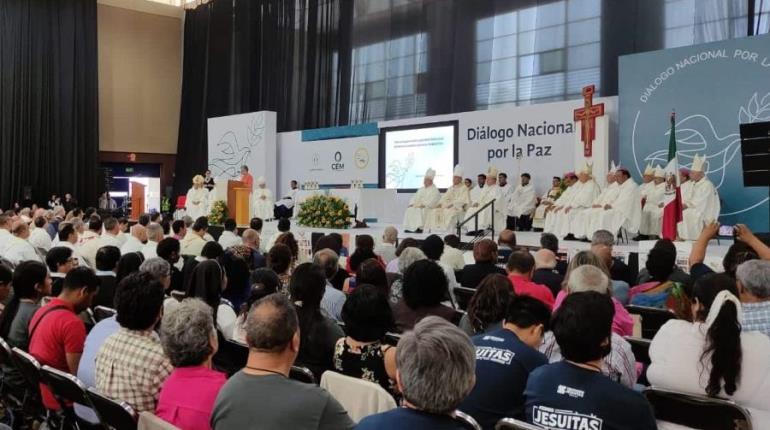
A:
189	340
436	369
407	258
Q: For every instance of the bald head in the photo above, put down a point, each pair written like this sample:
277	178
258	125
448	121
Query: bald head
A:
271	325
390	235
250	238
20	229
545	259
485	251
139	232
507	238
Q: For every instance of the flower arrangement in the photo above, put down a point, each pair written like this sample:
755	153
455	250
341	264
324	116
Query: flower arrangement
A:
218	213
324	212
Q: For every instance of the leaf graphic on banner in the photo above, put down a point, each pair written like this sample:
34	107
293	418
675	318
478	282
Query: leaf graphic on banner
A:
755	110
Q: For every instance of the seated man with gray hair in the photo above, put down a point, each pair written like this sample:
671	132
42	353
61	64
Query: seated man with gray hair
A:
333	299
154	235
436	365
754	287
545	271
602	243
261	394
387	248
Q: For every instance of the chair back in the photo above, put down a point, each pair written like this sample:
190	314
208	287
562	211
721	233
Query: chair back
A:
699	412
652	318
641	349
463	296
301	374
360	398
150	421
514	424
6	354
29	368
113	414
231	356
466	420
103	312
65	387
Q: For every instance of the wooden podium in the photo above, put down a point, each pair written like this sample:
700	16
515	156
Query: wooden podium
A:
137	200
238	196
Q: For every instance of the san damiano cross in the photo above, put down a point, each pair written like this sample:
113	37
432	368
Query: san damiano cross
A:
587	116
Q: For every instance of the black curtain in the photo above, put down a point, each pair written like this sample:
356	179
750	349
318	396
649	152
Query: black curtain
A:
49	119
250	55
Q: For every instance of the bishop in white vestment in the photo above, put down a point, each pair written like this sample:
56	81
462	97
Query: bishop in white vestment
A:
652	214
538	220
197	202
521	205
451	207
624	211
424	199
702	206
490	192
263	200
575	221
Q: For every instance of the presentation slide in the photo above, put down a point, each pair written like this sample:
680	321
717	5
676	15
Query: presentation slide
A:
411	150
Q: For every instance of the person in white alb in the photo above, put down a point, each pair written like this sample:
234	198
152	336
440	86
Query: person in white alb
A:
606	196
506	189
703	205
647	181
552	211
624	211
39	237
538	219
197	202
652	213
18	249
490	192
285	208
521	205
685	184
424	199
569	218
263	200
451	207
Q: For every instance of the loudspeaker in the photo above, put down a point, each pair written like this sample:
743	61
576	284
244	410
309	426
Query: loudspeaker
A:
755	154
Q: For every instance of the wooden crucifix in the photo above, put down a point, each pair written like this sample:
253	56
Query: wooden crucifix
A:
587	116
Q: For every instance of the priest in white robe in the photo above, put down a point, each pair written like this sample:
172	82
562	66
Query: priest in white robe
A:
685	184
475	189
285	207
608	194
623	211
521	205
575	222
538	220
652	214
506	189
491	192
702	206
197	202
451	208
263	200
424	199
647	181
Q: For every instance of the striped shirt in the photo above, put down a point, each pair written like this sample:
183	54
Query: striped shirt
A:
332	302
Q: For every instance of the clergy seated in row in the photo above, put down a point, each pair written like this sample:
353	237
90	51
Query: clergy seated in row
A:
652	212
701	205
569	215
622	210
538	219
197	201
451	208
424	199
521	205
263	200
285	207
491	192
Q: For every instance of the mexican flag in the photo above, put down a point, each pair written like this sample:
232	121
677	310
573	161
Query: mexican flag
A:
672	200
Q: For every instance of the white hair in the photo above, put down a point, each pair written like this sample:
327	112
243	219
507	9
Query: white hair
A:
588	278
408	257
754	275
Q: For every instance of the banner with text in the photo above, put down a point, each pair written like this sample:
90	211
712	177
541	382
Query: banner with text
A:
713	88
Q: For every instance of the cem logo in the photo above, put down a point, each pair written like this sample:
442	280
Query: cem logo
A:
361	158
338	165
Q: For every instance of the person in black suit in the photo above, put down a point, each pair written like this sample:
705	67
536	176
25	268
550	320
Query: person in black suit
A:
107	258
485	257
168	249
545	273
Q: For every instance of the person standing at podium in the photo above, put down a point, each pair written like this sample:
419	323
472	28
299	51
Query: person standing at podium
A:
246	177
197	202
263	200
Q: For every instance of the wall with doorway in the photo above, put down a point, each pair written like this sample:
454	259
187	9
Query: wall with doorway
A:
167	163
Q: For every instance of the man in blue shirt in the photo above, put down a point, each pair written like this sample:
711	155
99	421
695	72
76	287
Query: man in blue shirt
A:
573	394
504	360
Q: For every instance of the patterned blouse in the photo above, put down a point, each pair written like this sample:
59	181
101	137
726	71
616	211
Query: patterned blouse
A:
366	362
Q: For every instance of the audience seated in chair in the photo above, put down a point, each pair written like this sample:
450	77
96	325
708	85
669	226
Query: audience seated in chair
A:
189	341
676	274
712	355
369	271
425	287
428	358
207	283
520	267
488	306
545	271
263	283
107	258
485	257
393	265
407	258
333	299
575	389
754	287
659	292
746	247
262	394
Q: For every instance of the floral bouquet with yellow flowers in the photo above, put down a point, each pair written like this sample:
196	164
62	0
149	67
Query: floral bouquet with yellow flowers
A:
218	213
324	212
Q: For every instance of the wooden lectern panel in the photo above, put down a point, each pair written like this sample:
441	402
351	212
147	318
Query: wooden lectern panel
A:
137	200
238	196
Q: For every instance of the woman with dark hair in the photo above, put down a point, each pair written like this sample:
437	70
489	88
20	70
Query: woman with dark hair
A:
408	242
660	292
676	275
318	334
425	287
289	240
368	272
279	260
711	355
207	283
129	263
364	251
487	308
362	353
263	283
211	251
237	271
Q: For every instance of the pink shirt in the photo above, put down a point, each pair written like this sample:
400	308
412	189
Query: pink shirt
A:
622	323
187	397
524	287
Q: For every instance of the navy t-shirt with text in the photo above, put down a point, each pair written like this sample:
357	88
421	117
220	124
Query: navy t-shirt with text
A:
503	364
564	396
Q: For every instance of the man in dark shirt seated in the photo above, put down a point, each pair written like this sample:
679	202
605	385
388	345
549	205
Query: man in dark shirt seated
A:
262	395
107	258
545	271
506	243
169	250
485	255
573	394
435	363
504	360
551	242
